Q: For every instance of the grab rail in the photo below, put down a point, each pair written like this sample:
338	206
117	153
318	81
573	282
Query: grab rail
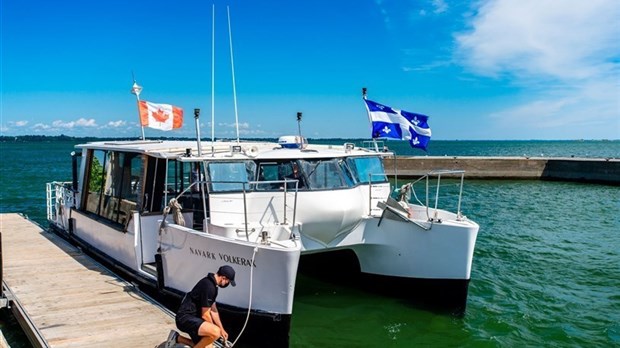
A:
438	174
57	193
372	184
247	186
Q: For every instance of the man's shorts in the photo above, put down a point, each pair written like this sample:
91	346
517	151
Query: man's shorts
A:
190	325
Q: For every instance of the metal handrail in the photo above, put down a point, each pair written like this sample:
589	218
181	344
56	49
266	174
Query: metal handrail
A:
53	190
438	174
370	186
245	190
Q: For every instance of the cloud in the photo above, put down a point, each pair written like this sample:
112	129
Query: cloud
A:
116	124
82	122
242	125
384	14
20	123
527	38
41	126
439	6
245	129
565	60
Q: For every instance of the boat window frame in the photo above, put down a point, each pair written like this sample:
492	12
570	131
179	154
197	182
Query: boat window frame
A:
243	183
337	162
115	202
364	178
279	170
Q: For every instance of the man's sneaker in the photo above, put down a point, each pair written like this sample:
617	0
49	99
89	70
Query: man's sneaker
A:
172	339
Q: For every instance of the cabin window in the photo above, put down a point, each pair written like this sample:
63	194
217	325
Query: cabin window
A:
365	169
324	174
230	176
279	171
114	184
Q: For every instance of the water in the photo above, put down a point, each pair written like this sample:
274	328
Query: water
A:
546	268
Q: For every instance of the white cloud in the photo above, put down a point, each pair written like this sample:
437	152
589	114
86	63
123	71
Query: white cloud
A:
82	122
20	123
245	129
116	124
576	40
232	125
564	57
40	126
439	6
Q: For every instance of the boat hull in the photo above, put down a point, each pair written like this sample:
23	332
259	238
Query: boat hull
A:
445	296
189	255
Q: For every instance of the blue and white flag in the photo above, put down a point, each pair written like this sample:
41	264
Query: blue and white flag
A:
398	124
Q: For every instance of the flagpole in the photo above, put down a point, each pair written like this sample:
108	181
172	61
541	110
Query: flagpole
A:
213	82
232	64
136	90
301	139
364	90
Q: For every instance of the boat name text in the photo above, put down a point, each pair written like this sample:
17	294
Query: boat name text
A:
237	260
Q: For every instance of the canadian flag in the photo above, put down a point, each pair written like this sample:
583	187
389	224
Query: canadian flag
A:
160	116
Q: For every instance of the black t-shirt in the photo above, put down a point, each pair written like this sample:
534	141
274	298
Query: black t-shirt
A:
203	294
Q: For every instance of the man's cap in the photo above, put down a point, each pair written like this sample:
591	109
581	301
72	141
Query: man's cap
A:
228	272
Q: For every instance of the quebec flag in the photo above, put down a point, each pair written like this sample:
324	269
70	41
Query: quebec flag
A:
398	124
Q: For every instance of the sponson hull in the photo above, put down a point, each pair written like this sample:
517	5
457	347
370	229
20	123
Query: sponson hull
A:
167	214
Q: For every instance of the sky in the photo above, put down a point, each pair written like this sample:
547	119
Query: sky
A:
490	69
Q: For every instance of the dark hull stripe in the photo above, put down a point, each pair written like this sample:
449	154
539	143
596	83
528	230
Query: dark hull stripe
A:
341	267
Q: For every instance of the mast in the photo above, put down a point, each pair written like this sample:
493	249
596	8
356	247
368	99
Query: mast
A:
364	96
213	82
197	122
301	139
232	64
136	90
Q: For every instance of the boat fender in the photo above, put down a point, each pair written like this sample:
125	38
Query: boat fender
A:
71	226
160	271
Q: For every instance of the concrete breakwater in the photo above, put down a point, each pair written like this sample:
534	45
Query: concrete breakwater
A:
590	170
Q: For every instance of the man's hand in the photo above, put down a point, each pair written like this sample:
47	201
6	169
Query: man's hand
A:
224	334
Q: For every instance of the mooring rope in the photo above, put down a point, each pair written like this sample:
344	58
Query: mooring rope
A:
247	317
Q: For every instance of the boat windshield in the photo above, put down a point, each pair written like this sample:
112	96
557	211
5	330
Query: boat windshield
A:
367	169
323	174
230	176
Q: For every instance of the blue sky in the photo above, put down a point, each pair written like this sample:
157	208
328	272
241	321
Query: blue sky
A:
507	69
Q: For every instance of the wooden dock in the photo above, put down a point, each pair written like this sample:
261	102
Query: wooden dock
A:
63	298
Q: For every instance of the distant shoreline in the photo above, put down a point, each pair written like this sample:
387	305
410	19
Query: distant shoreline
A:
62	137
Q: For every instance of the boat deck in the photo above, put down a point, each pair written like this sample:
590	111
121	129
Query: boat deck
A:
63	298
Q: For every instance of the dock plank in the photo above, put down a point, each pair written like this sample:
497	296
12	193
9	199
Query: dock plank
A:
72	300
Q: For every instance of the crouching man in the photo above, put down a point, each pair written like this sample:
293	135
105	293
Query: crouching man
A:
198	316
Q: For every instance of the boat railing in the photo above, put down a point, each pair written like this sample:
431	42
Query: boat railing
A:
372	184
374	145
248	187
426	180
58	194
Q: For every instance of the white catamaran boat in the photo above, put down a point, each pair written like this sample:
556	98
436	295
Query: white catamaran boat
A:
165	215
168	212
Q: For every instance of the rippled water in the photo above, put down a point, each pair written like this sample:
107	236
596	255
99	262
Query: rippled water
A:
546	273
546	268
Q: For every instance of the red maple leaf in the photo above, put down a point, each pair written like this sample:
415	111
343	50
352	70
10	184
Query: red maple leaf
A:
160	115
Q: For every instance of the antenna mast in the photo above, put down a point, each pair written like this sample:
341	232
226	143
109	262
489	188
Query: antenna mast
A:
232	64
213	82
301	140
